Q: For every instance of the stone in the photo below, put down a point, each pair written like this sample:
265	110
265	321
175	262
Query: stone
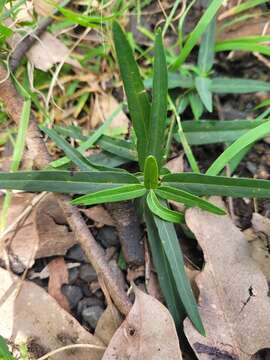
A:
88	302
73	275
87	273
76	253
73	293
91	315
108	236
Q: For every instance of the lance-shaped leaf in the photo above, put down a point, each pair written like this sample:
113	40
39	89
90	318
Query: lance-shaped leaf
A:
138	102
150	173
203	85
76	182
170	243
4	351
207	48
245	140
118	147
158	114
181	196
125	192
201	184
164	272
74	155
162	211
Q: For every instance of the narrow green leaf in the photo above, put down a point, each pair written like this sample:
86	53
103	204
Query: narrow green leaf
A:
164	272
125	192
203	85
196	104
170	193
163	212
138	102
202	132
175	80
118	147
78	182
91	139
199	29
242	46
174	256
207	48
245	140
5	32
75	156
200	184
151	173
222	85
4	352
158	115
245	6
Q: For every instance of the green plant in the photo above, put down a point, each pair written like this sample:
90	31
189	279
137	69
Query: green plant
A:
4	351
153	185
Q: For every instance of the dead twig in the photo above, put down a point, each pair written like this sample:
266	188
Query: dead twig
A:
13	103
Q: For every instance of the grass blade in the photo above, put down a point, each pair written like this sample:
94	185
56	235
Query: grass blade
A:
174	256
93	138
125	192
242	46
202	132
158	113
245	140
197	32
118	147
207	48
170	193
163	212
238	86
138	102
74	155
203	85
78	182
17	156
200	184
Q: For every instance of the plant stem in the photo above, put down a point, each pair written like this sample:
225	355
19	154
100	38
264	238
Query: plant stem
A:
187	149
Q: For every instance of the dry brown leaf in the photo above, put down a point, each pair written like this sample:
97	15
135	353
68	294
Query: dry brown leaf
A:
99	215
176	164
58	276
104	106
259	241
44	233
108	323
55	238
234	302
147	333
44	7
33	317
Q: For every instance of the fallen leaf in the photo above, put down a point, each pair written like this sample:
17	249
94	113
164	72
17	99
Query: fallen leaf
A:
104	106
57	278
234	302
44	232
108	323
44	7
148	332
55	238
33	317
99	215
176	164
259	241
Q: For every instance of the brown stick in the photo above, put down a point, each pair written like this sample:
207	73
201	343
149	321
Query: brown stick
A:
13	103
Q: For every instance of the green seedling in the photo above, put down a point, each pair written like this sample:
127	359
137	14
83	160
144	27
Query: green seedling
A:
153	185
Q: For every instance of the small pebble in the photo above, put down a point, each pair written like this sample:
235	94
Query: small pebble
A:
86	290
108	236
88	302
91	315
73	293
76	253
87	273
73	275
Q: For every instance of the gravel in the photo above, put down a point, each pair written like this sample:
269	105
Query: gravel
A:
73	293
76	253
91	315
88	302
87	273
108	236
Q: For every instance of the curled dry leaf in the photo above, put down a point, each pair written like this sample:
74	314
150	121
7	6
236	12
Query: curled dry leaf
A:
108	323
43	233
58	277
99	215
147	333
234	302
33	317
